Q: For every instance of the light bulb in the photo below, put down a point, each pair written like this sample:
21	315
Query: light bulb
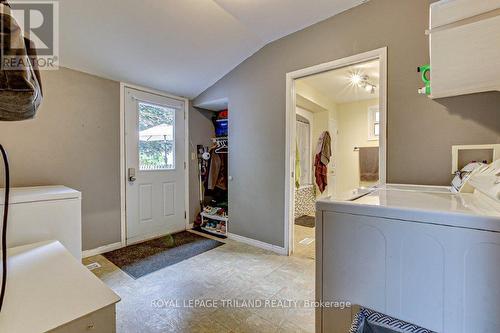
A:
356	79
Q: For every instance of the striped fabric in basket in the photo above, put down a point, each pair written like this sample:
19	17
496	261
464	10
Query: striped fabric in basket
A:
367	320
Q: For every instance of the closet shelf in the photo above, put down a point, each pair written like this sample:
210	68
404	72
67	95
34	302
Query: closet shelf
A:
215	217
214	231
219	228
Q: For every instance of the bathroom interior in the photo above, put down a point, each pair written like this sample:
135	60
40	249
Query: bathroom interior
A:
345	103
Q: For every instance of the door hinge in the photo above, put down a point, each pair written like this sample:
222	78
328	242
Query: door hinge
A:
185	215
184	165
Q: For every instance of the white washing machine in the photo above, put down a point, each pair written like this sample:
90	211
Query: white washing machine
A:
422	254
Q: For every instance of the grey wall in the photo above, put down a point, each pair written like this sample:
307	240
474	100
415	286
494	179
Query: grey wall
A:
201	130
74	141
420	131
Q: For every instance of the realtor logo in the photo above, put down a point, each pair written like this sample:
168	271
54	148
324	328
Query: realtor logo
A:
39	22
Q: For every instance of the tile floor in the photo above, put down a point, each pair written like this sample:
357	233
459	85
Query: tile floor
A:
304	243
234	271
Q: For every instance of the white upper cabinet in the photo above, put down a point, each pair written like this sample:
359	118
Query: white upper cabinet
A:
464	47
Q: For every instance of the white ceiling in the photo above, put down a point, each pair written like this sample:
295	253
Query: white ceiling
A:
273	19
179	46
337	86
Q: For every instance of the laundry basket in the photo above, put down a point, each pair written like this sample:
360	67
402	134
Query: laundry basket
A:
369	321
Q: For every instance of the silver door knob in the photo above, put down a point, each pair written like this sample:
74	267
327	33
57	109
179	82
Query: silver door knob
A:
131	175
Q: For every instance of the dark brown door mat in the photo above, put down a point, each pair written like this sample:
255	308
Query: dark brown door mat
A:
306	221
141	259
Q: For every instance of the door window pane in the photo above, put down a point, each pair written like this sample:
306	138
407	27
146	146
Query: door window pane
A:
156	137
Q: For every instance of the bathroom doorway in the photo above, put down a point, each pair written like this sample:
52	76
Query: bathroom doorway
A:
336	138
305	190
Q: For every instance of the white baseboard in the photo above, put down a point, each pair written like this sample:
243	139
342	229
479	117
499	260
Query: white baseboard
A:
115	246
238	238
262	245
101	250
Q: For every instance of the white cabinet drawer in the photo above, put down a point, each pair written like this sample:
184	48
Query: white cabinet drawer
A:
102	321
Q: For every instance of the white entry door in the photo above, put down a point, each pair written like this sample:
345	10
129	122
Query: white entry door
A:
155	165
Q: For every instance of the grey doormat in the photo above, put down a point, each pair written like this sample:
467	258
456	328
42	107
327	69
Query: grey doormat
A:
141	259
306	221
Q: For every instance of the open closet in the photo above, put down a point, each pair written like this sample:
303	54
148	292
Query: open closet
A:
213	179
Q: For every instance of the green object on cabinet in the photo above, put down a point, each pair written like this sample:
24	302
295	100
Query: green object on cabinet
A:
426	78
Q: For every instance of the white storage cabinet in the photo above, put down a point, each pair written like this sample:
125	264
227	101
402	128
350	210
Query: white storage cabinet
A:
464	47
45	213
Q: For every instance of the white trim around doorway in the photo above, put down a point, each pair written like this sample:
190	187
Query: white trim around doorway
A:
378	54
123	156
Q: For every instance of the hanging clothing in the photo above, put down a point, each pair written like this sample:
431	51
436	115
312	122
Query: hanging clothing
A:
321	173
321	160
324	147
217	172
298	173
